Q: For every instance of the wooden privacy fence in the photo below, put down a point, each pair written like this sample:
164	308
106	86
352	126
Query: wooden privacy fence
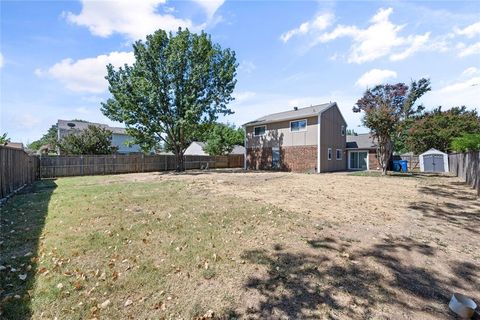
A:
17	169
466	166
413	162
65	166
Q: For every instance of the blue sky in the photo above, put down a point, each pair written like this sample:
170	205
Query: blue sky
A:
291	53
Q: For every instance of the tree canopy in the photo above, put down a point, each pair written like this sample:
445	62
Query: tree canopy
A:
49	138
93	140
222	138
467	142
178	83
437	129
386	108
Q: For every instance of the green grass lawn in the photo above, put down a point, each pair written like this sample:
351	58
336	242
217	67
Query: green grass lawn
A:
120	250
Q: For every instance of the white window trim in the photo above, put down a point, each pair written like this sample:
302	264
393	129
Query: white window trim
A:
336	154
343	131
329	154
259	135
306	125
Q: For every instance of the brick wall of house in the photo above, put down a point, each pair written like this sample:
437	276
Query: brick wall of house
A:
293	158
373	163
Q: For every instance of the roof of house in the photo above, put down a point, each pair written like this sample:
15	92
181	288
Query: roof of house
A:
292	114
16	145
361	141
81	125
238	150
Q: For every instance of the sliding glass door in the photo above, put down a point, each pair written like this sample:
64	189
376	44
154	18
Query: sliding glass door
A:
358	160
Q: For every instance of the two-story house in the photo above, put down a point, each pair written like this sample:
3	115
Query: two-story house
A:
311	139
120	138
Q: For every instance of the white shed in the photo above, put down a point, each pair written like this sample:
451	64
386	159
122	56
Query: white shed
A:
433	160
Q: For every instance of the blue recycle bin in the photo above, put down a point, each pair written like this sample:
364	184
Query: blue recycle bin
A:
400	165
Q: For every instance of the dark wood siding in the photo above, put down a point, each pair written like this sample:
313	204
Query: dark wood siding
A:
331	137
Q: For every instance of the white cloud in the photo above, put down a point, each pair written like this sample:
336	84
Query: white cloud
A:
461	92
468	50
459	87
374	77
417	43
1	60
469	31
83	111
247	66
87	75
135	19
244	96
319	23
379	39
27	120
210	6
470	71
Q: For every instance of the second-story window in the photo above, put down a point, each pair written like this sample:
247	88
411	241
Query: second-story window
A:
343	130
298	125
259	131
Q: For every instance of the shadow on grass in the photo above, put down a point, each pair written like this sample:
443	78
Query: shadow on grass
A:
329	283
463	214
21	223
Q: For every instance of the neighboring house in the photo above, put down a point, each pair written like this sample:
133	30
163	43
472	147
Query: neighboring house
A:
16	145
119	135
196	148
362	152
308	139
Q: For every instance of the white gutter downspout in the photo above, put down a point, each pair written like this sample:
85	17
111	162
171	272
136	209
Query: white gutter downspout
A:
318	142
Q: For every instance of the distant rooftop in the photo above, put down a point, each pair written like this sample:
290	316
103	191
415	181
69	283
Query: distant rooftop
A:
292	114
80	125
16	145
361	141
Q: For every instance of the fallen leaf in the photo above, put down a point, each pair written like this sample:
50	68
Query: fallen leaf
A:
128	302
105	304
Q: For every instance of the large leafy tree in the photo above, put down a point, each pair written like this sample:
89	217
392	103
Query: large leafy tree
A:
437	128
386	108
222	138
93	140
48	139
178	83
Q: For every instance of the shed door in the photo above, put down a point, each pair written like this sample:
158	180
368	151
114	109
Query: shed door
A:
433	163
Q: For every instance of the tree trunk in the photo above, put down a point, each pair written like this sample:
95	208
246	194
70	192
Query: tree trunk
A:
179	161
384	153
